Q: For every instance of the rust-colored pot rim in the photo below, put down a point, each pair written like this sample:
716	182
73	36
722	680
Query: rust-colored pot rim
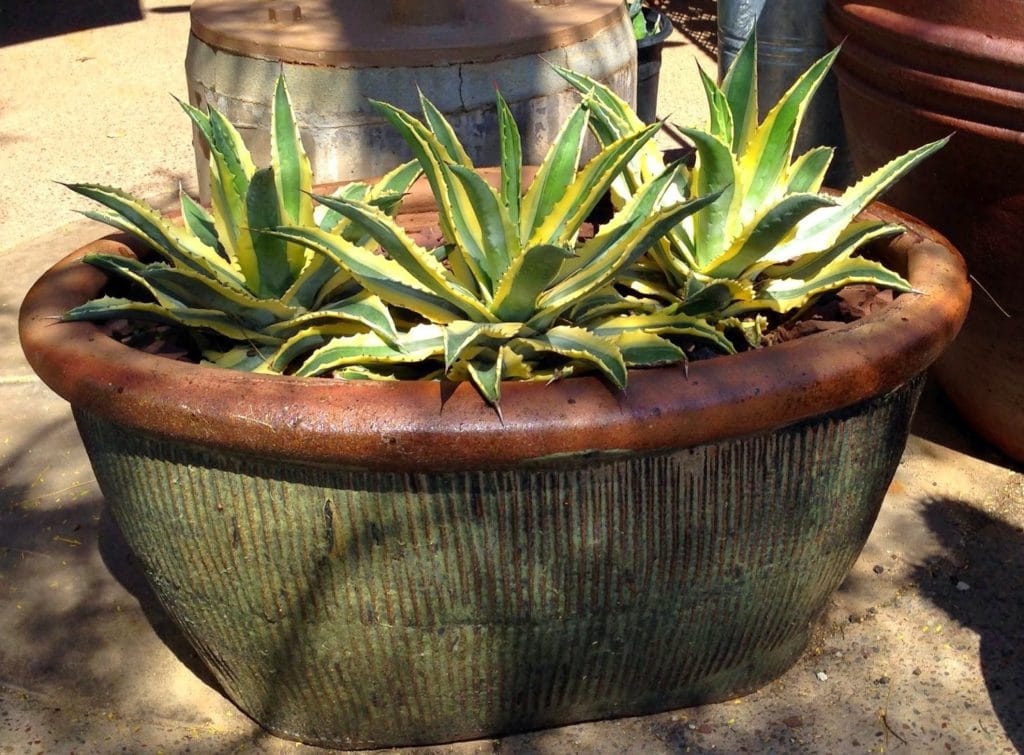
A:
907	30
430	426
968	121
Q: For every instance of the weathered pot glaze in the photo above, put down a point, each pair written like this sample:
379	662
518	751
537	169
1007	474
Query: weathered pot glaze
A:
911	71
372	564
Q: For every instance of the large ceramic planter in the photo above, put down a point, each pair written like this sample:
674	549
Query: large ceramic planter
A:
371	564
911	71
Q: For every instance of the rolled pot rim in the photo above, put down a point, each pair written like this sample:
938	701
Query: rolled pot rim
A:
434	426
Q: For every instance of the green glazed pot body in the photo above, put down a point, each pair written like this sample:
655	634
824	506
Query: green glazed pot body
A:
366	609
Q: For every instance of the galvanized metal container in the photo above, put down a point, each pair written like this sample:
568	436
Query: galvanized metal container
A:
790	37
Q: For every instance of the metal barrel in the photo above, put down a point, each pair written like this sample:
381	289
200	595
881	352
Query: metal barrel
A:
790	37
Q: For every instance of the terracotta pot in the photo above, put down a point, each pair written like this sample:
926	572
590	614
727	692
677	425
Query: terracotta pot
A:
914	71
368	564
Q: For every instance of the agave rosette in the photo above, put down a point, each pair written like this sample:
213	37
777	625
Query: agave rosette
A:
511	294
771	240
243	293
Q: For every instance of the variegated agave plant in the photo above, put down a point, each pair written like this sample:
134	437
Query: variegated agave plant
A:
511	294
246	297
772	240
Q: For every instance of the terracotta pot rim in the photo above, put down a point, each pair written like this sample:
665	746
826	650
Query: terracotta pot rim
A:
955	123
908	34
426	426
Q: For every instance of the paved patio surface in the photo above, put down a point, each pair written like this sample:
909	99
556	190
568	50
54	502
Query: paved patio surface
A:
921	650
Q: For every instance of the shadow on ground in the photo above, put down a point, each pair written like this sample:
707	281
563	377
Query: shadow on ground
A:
938	421
697	20
24	22
986	563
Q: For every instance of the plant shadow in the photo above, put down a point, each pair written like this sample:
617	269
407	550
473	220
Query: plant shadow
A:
979	585
123	567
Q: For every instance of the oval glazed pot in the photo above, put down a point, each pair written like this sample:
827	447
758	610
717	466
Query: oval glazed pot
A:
911	71
374	564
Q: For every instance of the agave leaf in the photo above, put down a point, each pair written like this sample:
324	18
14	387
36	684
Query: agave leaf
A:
360	309
820	229
306	290
230	170
620	243
419	344
704	297
200	119
174	288
556	171
580	345
641	349
199	221
720	124
272	264
716	171
293	175
765	159
444	133
435	161
328	219
577	199
463	334
240	358
511	163
387	194
808	172
852	238
764	235
616	118
486	374
483	228
784	294
612	119
418	264
646	278
515	298
740	89
110	308
609	303
305	341
608	125
422	289
429	153
339	286
395	182
176	245
668	321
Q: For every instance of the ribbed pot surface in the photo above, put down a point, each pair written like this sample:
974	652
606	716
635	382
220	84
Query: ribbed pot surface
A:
358	609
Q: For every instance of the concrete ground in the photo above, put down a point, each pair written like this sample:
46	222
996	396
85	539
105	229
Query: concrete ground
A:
921	650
